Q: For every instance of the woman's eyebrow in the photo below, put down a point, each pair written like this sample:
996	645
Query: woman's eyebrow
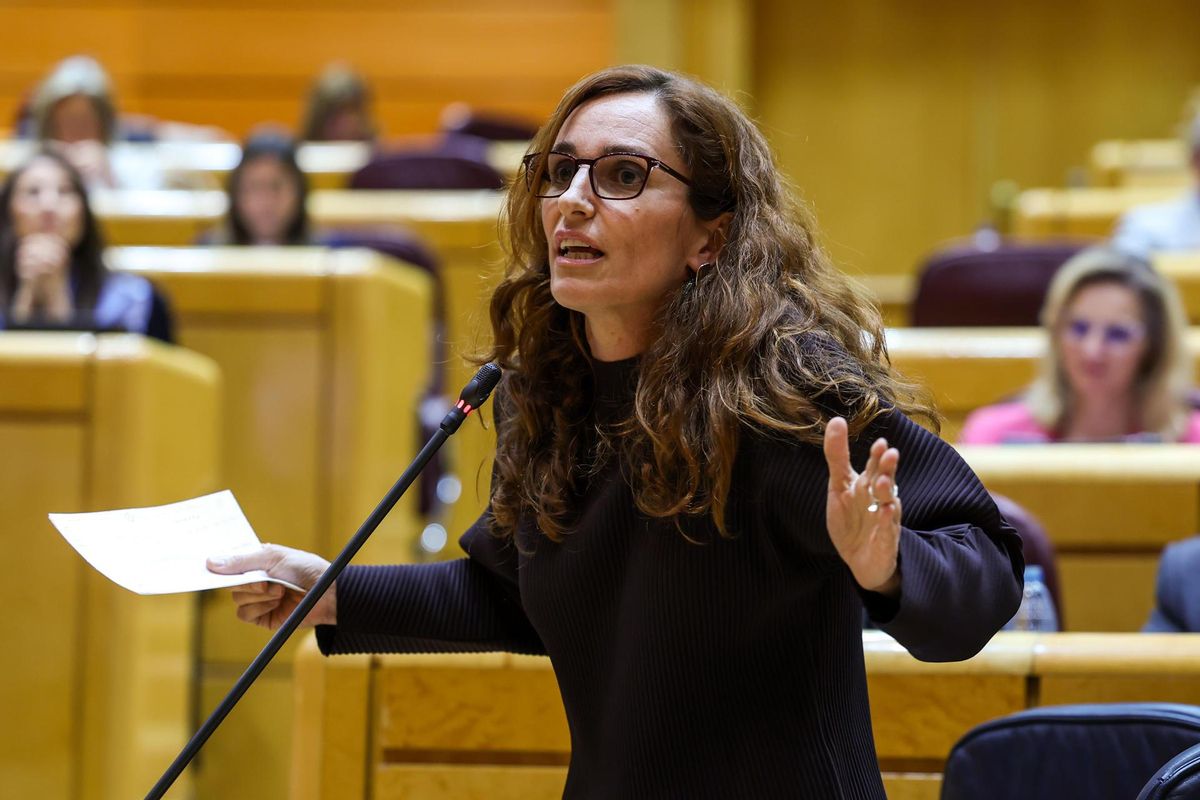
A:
568	148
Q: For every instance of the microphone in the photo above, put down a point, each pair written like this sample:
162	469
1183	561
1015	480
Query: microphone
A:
473	395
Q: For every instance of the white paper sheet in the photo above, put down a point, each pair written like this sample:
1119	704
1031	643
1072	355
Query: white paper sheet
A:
163	549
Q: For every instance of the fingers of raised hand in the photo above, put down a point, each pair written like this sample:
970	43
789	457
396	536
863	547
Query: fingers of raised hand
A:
871	469
837	454
884	492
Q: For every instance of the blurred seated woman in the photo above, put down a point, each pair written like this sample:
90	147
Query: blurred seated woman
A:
339	108
267	196
52	271
1116	368
74	112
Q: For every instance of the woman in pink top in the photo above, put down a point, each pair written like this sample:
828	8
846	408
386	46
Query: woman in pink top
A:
1116	368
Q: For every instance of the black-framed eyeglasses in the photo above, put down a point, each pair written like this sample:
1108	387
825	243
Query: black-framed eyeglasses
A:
614	176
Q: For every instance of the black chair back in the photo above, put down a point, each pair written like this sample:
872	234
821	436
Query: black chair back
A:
1179	779
426	170
1105	751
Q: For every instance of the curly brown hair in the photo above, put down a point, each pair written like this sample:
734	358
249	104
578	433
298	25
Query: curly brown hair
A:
772	336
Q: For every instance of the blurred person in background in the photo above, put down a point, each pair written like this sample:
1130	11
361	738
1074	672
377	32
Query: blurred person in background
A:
52	271
267	195
1177	593
1161	227
74	111
1116	366
339	108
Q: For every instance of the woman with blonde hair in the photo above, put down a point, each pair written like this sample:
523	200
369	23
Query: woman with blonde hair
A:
1116	366
676	516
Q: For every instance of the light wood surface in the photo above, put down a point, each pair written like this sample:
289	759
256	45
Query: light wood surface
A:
206	165
1082	212
1108	509
452	726
1142	162
97	693
325	354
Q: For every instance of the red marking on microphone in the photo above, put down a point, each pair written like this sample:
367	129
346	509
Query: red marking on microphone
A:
466	408
459	405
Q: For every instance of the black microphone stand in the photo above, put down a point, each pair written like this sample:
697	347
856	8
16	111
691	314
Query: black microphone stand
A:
474	394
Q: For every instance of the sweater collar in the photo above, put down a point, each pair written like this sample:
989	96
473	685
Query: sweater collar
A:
616	381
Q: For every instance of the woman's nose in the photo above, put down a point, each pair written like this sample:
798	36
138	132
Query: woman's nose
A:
578	196
1094	345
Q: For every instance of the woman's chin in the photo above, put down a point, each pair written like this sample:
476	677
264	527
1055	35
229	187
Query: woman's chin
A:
576	293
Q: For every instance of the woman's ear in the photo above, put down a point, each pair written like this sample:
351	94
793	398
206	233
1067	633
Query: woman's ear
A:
717	229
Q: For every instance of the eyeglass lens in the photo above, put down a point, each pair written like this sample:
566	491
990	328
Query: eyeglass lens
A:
1113	333
615	177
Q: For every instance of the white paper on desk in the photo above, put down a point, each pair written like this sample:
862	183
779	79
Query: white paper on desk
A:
163	549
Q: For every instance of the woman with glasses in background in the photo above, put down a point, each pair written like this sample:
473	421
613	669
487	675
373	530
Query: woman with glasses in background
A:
1116	366
695	492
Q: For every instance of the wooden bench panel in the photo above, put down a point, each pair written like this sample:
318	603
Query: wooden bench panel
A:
919	710
106	704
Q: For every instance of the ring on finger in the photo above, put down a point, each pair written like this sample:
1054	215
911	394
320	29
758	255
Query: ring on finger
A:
875	504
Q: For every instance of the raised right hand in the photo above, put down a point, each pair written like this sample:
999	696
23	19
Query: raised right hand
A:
269	604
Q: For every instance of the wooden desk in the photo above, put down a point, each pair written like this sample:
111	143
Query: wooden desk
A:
1109	509
966	368
325	354
206	165
1081	212
491	726
96	687
1141	162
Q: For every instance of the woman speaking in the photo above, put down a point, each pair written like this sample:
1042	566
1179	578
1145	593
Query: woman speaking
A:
705	470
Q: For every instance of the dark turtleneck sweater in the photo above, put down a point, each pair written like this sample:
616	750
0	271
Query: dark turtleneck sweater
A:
728	668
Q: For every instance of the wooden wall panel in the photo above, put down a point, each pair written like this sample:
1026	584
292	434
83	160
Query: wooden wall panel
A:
237	64
895	119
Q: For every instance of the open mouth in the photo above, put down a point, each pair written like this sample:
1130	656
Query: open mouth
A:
578	251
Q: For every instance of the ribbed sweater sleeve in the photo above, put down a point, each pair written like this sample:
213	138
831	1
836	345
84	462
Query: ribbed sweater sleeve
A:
470	604
960	562
466	605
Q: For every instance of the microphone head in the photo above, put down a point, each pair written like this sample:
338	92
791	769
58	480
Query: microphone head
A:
477	391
